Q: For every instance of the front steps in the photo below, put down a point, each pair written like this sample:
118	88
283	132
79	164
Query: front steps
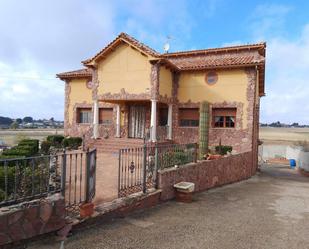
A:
112	145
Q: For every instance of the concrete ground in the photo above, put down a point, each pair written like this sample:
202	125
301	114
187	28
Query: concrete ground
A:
270	210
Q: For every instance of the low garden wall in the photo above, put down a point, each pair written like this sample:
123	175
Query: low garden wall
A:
207	174
32	218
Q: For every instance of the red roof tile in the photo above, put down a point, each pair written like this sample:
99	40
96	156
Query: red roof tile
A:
75	74
197	62
120	38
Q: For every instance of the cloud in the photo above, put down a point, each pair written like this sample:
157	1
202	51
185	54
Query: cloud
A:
268	20
287	81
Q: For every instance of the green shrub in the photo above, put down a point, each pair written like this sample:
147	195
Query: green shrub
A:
172	158
17	152
223	149
30	142
72	142
45	146
55	140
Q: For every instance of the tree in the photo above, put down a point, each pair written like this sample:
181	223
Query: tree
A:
5	120
18	120
28	119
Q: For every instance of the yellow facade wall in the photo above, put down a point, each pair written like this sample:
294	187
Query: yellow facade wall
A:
79	94
165	80
230	87
124	68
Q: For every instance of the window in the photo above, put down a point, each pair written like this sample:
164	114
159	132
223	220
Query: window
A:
163	114
224	117
84	115
105	115
189	117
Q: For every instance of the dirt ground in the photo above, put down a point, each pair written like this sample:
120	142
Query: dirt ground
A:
270	210
271	135
11	137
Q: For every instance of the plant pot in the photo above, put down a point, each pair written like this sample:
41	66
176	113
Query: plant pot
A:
183	197
184	191
213	157
86	210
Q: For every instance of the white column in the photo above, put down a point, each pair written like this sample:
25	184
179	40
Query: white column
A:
153	121
169	121
95	119
118	121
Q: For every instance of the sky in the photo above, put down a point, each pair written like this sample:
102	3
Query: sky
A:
41	38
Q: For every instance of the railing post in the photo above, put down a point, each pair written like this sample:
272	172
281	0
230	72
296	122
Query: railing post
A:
119	171
144	167
87	175
156	165
63	173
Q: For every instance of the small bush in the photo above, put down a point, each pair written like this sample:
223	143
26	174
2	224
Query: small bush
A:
55	140
45	146
30	142
223	149
17	152
72	142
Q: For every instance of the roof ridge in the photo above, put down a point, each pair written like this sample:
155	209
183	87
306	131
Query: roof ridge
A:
211	50
129	39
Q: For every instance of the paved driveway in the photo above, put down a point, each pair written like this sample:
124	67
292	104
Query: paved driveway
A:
270	210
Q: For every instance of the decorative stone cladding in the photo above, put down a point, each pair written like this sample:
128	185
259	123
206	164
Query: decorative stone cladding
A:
239	137
207	174
31	218
154	81
123	95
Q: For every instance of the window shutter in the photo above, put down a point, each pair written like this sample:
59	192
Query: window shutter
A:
189	113
106	115
224	112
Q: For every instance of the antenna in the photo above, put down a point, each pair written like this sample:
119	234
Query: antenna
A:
166	46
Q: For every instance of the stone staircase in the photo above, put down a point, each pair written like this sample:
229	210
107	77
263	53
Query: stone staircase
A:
111	145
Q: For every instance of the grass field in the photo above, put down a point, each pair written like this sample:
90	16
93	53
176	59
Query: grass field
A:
11	137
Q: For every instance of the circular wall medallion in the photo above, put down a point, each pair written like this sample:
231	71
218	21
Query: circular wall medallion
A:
89	84
211	78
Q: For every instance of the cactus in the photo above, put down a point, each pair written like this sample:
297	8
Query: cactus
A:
203	129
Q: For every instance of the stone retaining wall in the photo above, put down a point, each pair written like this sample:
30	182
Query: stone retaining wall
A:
207	174
32	218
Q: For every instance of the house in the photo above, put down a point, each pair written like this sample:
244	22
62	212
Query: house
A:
130	91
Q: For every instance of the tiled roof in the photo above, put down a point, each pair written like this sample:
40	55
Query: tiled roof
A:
225	57
75	74
197	62
127	38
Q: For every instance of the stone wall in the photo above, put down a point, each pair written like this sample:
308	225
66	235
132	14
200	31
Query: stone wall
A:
207	174
32	218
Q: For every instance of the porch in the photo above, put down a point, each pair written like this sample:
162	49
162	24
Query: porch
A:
141	121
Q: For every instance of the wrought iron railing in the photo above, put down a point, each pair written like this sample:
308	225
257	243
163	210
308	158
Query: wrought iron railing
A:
172	155
71	173
138	166
24	179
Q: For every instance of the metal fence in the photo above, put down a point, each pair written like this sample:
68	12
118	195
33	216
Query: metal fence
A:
71	173
24	179
138	166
